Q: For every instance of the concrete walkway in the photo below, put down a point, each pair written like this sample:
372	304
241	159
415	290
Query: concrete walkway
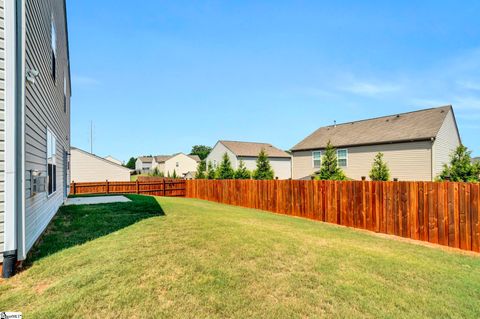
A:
96	200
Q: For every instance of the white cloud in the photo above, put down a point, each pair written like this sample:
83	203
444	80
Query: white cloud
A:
469	85
370	88
84	80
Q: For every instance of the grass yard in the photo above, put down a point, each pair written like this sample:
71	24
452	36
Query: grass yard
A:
133	178
175	257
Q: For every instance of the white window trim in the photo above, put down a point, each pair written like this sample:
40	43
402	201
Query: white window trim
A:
313	158
46	159
346	156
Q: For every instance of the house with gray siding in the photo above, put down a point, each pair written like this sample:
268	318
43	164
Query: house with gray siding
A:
34	122
415	145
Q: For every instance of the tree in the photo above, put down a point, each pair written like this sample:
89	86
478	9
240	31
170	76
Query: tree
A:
174	175
461	168
201	170
329	169
242	172
201	150
380	171
155	172
131	163
225	169
211	174
264	169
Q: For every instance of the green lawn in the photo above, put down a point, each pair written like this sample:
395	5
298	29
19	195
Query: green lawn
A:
189	258
133	178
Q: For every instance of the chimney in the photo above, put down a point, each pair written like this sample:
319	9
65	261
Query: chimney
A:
334	123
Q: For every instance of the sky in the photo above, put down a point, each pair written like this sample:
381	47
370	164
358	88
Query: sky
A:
157	77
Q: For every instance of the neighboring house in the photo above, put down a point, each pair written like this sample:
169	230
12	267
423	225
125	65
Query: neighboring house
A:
190	175
476	159
113	159
35	122
180	163
248	153
87	167
143	164
415	145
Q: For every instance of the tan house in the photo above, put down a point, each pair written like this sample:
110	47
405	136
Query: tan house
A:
248	153
143	164
180	163
87	167
415	145
113	159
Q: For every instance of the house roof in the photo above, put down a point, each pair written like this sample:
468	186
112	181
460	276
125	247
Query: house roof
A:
476	159
99	158
145	159
195	157
252	149
412	126
164	158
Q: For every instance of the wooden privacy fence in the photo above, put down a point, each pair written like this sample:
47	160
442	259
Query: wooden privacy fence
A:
440	213
165	187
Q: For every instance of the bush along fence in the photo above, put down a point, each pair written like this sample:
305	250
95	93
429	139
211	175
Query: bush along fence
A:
164	187
444	213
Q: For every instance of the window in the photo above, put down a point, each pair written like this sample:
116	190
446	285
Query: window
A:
54	49
177	164
317	159
51	162
342	157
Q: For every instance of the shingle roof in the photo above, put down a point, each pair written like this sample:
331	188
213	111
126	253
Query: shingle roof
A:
252	149
145	159
195	157
162	158
411	126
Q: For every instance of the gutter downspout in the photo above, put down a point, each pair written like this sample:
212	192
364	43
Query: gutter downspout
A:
14	130
11	141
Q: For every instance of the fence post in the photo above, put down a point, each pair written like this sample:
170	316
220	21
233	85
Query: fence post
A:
164	190
138	187
73	188
106	185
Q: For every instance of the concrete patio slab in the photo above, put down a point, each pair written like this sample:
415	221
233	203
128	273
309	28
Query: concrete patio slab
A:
96	200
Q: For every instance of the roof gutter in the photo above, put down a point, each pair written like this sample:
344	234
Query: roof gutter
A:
422	139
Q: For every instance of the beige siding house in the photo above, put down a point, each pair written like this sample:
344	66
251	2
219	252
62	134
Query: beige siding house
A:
180	163
113	159
248	153
86	167
143	164
35	112
415	145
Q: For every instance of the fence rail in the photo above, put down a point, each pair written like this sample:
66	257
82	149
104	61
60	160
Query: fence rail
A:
165	187
442	213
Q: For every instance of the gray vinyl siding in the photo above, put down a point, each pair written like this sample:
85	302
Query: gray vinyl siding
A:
445	143
44	109
2	126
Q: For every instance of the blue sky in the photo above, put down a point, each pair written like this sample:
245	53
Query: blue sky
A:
161	76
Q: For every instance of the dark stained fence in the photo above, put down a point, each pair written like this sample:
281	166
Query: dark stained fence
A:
440	213
164	187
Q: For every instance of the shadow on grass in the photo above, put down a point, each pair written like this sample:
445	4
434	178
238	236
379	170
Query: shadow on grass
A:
76	224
